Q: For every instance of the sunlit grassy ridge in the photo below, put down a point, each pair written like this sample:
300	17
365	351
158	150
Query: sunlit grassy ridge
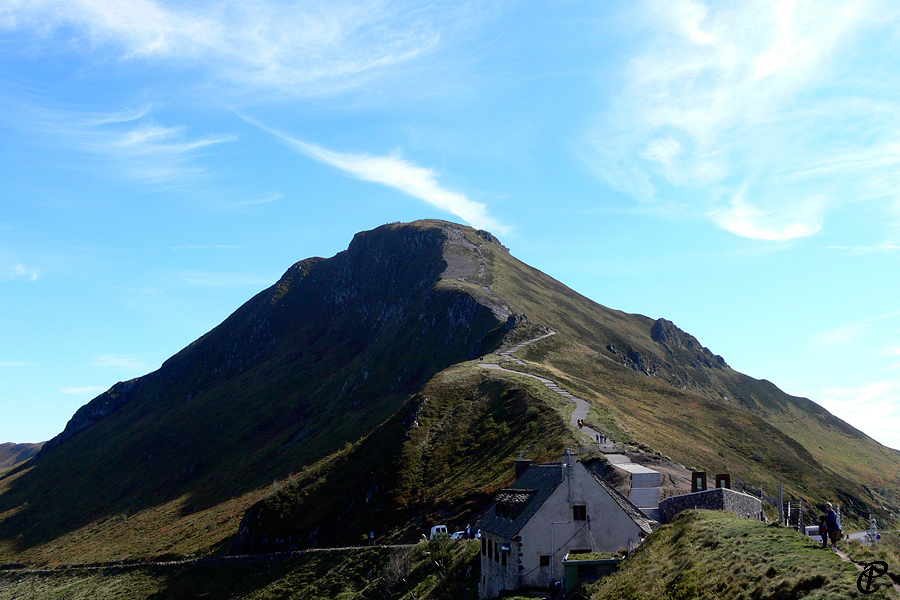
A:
711	555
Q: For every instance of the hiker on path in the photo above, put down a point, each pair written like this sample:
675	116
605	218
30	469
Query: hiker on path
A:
832	525
823	531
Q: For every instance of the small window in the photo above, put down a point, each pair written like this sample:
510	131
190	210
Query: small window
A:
579	512
503	558
496	552
545	560
490	549
483	546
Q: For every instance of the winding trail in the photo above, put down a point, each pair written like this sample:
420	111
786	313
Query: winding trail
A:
582	406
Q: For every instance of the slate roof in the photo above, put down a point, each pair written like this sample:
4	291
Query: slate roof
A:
532	489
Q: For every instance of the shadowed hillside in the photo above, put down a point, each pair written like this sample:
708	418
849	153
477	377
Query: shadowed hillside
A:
316	361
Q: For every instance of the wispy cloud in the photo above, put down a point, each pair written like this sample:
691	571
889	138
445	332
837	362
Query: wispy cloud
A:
851	332
258	201
858	406
19	272
734	110
297	48
224	280
87	390
130	139
396	172
883	247
839	336
206	247
125	363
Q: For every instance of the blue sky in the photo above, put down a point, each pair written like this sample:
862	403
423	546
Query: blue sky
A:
732	167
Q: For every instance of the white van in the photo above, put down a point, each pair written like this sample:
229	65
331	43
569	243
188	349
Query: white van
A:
438	530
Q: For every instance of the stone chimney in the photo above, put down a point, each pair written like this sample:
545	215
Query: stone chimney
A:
522	465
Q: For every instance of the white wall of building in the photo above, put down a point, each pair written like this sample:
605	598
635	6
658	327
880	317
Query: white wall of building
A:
607	528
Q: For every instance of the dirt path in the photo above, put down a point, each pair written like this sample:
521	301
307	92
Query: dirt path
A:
846	558
582	406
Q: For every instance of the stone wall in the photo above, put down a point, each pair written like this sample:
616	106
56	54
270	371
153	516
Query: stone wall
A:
500	565
740	504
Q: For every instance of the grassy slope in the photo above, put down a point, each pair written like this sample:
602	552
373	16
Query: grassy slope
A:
430	571
438	461
714	555
758	433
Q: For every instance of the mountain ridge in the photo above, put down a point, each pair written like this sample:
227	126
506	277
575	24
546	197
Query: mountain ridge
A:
12	454
325	362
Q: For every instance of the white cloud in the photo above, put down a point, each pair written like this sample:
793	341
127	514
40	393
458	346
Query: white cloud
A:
396	172
19	272
299	48
761	116
802	219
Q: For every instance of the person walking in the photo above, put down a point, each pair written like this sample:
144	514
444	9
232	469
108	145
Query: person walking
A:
823	531
833	525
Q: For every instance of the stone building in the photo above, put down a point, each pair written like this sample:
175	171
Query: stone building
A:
550	511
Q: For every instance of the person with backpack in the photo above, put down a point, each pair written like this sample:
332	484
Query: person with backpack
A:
833	525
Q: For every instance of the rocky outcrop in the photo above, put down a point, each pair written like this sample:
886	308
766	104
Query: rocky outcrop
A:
675	340
92	412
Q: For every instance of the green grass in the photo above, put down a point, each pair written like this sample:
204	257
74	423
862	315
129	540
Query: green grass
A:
711	555
437	570
440	460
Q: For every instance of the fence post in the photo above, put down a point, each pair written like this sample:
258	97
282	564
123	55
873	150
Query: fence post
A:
780	504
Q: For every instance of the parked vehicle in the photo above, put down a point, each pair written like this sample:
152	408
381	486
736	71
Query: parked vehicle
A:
458	535
438	530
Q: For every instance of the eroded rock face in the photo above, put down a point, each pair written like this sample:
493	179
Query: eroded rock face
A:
674	339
